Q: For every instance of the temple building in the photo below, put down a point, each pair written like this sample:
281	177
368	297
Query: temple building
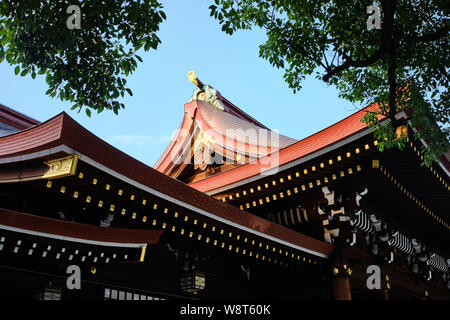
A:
231	210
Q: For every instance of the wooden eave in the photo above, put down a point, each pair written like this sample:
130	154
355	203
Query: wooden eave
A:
62	134
76	232
335	136
414	197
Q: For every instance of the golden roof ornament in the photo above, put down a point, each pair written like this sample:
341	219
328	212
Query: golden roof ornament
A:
193	78
205	92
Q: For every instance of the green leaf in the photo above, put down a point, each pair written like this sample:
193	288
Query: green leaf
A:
80	65
88	112
315	37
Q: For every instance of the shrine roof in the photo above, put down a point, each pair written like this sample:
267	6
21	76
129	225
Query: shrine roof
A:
62	134
15	120
225	129
333	134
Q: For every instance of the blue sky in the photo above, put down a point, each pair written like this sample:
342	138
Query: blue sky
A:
191	40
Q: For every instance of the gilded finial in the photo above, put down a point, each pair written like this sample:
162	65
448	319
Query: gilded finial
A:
205	92
193	78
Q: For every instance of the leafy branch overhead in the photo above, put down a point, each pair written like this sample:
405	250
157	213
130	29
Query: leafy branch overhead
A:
85	66
402	66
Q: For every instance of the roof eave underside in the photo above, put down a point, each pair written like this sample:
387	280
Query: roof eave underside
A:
63	133
334	136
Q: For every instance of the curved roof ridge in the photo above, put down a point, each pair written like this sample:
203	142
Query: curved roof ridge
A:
227	130
334	133
232	109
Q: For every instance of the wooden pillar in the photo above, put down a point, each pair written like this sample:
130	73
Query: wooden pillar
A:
341	272
341	288
386	295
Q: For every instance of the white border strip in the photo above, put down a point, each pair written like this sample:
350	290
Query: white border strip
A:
39	154
71	239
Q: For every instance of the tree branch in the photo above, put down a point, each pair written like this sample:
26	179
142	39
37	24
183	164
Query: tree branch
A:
439	33
288	41
355	63
386	32
389	9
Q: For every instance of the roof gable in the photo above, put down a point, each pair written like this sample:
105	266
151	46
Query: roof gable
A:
12	121
215	136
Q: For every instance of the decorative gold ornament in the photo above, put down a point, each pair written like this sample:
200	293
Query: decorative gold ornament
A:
62	167
401	132
375	163
192	77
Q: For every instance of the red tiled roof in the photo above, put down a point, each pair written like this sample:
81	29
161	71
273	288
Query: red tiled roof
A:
63	130
218	123
15	119
232	109
338	131
234	133
46	134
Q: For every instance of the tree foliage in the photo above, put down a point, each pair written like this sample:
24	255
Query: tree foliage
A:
330	38
85	66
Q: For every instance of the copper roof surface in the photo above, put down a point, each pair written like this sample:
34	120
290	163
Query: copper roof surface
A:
236	134
241	130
